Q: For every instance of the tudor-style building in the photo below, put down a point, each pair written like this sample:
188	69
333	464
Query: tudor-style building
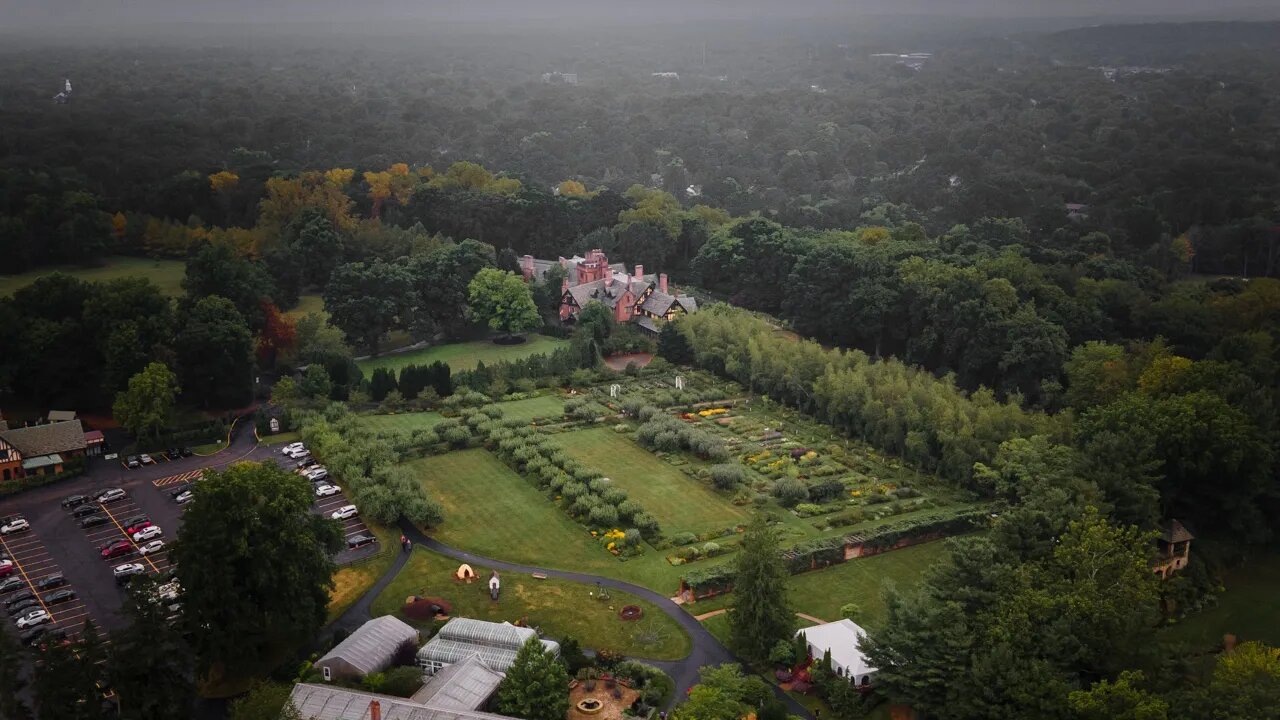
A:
633	297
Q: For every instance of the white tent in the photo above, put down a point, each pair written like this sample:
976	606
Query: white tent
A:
844	640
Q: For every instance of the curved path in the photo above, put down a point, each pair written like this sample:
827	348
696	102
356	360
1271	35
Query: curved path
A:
707	650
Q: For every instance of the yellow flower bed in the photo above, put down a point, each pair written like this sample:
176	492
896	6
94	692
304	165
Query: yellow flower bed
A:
712	412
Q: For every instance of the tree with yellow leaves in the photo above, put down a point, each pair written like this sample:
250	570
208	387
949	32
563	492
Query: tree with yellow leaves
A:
379	190
224	181
339	177
119	224
572	188
286	197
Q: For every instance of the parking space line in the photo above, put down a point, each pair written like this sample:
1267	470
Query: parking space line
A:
30	585
126	537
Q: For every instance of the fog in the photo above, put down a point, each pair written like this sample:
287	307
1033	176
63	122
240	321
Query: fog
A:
17	13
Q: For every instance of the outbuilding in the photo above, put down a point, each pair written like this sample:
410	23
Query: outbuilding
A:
370	649
843	639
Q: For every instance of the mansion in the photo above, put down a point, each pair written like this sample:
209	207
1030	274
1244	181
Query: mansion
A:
636	298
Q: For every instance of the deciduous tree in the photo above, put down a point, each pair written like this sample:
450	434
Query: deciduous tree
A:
146	406
503	301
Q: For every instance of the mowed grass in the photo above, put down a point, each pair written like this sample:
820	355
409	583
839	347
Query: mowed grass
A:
464	356
307	304
679	502
402	422
491	511
558	608
167	274
351	582
1249	609
545	406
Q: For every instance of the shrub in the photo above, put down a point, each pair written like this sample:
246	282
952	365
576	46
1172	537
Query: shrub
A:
597	484
647	524
604	515
632	538
648	412
629	509
402	681
826	491
808	509
711	549
727	476
684	538
585	504
458	436
790	492
573	490
614	496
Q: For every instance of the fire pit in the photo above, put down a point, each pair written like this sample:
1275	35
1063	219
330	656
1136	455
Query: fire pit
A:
631	612
590	706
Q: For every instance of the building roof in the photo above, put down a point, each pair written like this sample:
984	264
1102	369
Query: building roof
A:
1174	532
688	302
596	289
496	644
373	645
8	454
658	303
842	639
647	323
93	437
42	461
464	685
46	439
61	415
327	702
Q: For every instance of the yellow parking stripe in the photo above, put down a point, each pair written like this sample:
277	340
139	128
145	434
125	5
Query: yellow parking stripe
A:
30	584
126	537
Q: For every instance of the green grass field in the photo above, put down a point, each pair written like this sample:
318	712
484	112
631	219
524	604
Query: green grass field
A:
307	304
464	356
556	607
403	422
679	502
545	406
167	274
1248	609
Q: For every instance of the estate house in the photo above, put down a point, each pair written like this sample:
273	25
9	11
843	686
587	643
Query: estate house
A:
633	297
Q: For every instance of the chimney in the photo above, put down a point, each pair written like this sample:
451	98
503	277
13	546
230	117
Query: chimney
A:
639	273
526	265
564	285
563	263
608	277
375	710
662	282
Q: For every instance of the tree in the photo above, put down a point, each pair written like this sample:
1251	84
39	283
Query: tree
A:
277	336
12	662
68	680
1124	699
215	354
440	282
536	686
149	662
257	519
850	611
216	269
382	382
1245	684
265	701
368	300
761	615
145	408
502	300
673	345
316	384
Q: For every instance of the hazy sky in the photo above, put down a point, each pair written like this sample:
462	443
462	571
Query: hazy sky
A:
82	12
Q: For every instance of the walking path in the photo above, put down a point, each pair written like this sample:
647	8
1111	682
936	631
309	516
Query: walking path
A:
707	650
721	611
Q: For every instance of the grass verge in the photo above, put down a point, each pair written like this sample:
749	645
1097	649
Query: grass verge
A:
351	582
464	356
167	274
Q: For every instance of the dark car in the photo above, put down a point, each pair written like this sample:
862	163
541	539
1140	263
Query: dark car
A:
49	582
74	501
85	511
32	637
186	452
23	607
59	596
178	489
132	462
11	584
94	521
20	597
117	549
307	462
356	541
52	635
174	452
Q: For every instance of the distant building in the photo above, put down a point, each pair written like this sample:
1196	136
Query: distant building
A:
638	298
1173	549
494	644
40	449
371	648
1077	212
457	692
844	641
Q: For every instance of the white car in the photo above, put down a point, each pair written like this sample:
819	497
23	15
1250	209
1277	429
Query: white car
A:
129	569
151	547
109	495
184	498
291	447
147	533
327	490
297	453
15	525
145	459
318	475
344	512
33	618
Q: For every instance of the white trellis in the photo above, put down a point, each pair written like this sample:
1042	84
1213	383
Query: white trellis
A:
679	382
614	390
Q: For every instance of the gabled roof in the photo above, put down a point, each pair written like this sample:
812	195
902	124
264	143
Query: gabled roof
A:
328	702
373	646
688	302
843	639
61	415
46	439
8	453
464	685
1174	532
658	303
495	643
596	290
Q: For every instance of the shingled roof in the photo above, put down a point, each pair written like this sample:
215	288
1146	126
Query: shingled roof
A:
1174	532
59	437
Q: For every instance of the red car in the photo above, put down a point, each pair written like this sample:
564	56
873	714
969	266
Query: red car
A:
116	549
6	568
142	525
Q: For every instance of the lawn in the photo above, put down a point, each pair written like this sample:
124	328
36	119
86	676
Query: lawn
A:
167	274
283	438
307	304
556	607
679	502
401	422
350	582
1248	609
492	511
464	356
544	406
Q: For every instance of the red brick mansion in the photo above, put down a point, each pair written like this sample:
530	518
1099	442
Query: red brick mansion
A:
638	298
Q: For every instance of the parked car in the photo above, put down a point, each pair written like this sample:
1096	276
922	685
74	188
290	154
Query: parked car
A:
317	474
11	584
22	607
85	511
60	596
117	549
151	547
184	498
327	490
136	525
292	447
32	637
146	459
49	582
148	532
132	462
7	567
356	541
110	494
94	521
178	489
174	452
186	451
16	598
74	501
52	635
298	453
307	462
13	526
169	591
35	617
344	512
123	572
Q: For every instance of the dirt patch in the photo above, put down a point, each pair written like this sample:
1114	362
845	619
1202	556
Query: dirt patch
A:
612	708
620	362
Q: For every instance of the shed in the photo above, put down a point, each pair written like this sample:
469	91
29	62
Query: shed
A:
369	649
843	639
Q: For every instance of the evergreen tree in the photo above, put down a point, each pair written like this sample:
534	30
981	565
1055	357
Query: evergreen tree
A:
440	378
150	663
382	382
536	687
761	616
673	345
12	683
67	679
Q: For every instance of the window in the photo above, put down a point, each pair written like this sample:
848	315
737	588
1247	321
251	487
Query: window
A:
328	674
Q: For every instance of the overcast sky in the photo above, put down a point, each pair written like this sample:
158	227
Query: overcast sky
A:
83	12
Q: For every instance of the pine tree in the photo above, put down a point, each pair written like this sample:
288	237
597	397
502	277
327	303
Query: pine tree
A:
150	667
382	382
761	616
11	682
440	379
673	345
536	686
67	683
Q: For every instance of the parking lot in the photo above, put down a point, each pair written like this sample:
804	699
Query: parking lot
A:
118	514
351	527
33	563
